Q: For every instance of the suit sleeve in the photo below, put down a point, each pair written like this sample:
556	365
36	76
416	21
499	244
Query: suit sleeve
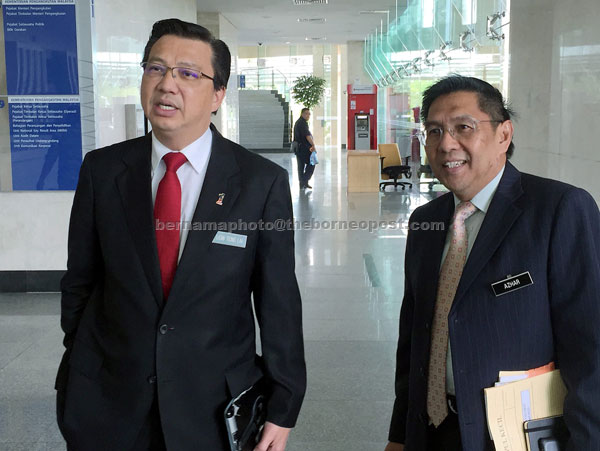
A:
278	307
400	412
574	287
83	265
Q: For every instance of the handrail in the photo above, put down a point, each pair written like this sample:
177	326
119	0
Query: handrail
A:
257	69
277	78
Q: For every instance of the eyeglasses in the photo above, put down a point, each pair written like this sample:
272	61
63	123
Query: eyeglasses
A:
462	130
185	74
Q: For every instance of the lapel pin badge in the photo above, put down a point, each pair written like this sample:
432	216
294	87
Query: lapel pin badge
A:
220	199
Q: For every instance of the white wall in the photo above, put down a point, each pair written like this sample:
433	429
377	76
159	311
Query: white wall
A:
227	118
356	69
34	230
554	87
34	224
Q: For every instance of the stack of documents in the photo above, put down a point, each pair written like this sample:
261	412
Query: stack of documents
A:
520	396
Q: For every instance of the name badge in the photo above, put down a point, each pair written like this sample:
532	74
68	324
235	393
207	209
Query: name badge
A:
512	283
230	239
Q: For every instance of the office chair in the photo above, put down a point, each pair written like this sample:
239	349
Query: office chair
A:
392	167
425	169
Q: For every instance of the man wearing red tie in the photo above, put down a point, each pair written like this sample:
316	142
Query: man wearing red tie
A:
157	300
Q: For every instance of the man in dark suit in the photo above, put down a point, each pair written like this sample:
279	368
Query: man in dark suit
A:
306	146
456	332
156	302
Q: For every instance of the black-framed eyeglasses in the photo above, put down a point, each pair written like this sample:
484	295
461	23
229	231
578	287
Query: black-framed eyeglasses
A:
462	129
156	70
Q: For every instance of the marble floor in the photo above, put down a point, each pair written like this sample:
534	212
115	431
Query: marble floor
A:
351	283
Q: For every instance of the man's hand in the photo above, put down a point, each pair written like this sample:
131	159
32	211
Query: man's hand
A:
391	446
313	149
274	438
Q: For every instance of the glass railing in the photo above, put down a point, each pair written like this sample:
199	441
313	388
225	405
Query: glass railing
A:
429	33
269	78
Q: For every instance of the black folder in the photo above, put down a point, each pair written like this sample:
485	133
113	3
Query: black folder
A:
546	434
245	417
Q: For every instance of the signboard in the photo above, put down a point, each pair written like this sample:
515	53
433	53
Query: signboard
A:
45	142
363	89
42	77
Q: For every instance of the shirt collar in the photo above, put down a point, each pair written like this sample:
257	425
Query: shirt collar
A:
483	198
196	152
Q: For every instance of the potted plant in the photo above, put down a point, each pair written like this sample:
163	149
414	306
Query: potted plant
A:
308	90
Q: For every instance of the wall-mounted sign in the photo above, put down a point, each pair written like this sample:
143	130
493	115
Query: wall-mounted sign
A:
40	40
363	89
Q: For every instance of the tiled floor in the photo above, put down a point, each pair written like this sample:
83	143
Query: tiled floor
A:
351	283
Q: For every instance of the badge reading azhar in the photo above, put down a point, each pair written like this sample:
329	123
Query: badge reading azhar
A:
512	283
220	199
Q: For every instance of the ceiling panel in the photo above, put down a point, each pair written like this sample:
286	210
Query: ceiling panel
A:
276	21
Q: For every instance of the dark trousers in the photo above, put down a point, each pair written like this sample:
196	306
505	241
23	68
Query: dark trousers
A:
446	437
305	169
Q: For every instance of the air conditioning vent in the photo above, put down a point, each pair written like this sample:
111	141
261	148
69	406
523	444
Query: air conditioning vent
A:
313	20
309	2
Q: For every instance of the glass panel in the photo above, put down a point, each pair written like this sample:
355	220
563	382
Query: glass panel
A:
424	42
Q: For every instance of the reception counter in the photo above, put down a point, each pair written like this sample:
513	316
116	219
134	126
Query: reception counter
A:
363	171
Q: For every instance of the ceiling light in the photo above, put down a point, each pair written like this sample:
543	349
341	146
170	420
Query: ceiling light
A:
313	20
374	11
309	2
322	38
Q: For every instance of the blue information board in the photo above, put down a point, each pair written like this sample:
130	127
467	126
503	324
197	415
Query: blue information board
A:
41	49
43	85
45	144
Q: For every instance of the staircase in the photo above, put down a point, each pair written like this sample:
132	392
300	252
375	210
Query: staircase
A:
264	121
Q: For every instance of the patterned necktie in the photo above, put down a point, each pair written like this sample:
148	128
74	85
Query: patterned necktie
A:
167	218
450	274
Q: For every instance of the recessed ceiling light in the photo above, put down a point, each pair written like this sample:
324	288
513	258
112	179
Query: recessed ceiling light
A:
322	38
374	11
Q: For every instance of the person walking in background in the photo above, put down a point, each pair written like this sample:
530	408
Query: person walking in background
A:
305	147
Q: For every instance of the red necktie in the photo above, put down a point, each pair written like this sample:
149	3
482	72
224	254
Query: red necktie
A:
167	219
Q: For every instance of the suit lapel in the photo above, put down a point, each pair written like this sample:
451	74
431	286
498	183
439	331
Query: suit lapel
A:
222	177
135	186
499	218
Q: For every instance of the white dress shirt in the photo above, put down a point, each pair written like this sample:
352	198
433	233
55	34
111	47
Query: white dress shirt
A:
191	177
482	201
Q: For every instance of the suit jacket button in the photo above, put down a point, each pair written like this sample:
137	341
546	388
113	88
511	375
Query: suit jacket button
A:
422	371
152	380
163	329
